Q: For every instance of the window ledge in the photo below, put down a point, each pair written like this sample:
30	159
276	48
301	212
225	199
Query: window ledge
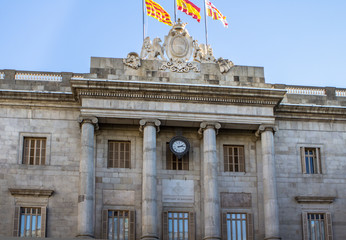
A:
314	199
31	192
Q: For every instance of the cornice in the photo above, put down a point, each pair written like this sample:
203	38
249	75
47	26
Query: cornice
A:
31	192
36	95
176	92
314	199
311	112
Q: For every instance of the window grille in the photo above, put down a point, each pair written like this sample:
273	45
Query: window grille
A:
311	160
119	154
234	158
34	151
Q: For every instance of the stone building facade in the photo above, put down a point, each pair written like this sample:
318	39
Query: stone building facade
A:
91	156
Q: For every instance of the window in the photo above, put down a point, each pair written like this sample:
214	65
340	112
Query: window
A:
237	226
119	154
317	226
311	160
119	224
178	225
30	222
234	158
34	151
175	163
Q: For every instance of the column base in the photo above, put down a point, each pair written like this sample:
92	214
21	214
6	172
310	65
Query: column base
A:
272	238
212	238
150	237
86	236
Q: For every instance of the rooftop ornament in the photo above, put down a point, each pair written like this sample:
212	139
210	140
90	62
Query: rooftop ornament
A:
180	48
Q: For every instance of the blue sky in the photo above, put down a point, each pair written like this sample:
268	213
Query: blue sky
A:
297	42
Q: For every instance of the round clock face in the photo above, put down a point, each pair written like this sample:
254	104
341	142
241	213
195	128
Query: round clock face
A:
179	146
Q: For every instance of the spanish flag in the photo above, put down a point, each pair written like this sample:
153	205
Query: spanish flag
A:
189	8
156	11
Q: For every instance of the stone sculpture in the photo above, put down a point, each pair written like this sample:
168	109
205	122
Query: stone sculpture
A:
132	60
152	51
198	54
158	50
224	64
203	53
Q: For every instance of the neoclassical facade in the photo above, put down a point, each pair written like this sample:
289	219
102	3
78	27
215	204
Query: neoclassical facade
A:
143	148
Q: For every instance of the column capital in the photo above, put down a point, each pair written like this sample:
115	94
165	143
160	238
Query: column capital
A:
89	119
266	127
149	122
205	125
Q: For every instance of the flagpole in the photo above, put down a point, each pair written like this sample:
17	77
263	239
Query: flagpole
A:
143	19
205	24
175	10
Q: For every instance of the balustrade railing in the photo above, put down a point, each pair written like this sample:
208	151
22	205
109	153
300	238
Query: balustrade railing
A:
51	77
340	93
306	91
78	76
2	75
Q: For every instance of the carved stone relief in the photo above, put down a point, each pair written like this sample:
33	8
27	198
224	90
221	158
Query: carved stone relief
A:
132	60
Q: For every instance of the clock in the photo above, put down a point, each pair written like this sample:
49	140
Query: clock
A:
179	146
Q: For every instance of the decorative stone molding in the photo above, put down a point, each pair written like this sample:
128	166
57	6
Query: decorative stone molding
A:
178	42
314	199
205	125
180	66
89	119
265	127
132	60
31	192
150	122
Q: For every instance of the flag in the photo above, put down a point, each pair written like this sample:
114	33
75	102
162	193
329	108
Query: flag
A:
190	9
213	12
156	11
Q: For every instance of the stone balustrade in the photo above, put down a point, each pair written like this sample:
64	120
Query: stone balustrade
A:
305	90
51	77
2	75
340	92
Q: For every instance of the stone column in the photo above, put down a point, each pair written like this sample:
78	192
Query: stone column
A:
150	223
212	214
271	210
86	178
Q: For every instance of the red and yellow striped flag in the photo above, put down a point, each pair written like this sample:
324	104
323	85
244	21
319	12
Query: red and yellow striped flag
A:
190	9
156	11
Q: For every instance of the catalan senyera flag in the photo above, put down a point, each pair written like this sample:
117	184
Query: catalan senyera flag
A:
156	11
190	9
213	12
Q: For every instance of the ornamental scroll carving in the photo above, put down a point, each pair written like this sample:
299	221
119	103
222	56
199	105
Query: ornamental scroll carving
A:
177	65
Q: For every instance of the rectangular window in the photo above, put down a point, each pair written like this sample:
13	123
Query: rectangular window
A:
237	226
311	160
178	225
30	222
119	154
175	163
317	226
234	158
34	151
118	224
